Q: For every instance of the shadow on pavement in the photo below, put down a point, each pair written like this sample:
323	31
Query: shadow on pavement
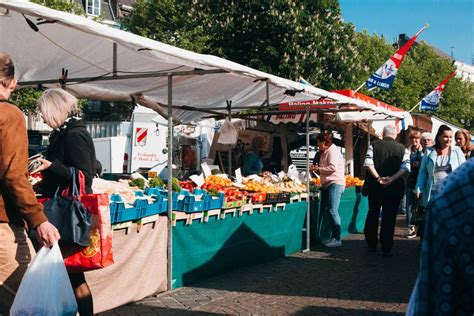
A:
349	272
316	310
132	309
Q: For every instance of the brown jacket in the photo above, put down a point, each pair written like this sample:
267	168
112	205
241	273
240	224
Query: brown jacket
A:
17	198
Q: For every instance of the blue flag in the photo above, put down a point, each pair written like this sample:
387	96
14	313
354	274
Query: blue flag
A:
384	76
430	102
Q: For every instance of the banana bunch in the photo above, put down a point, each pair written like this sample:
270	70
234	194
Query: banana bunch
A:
291	187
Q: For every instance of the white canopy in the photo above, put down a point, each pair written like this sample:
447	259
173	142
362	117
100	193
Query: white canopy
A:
110	64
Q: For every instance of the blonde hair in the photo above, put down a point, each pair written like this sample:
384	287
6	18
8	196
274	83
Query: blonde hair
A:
467	138
56	105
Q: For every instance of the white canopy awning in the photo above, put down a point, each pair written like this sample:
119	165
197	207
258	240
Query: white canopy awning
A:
110	64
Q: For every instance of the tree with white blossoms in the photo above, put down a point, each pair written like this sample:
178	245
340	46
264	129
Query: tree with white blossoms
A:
288	38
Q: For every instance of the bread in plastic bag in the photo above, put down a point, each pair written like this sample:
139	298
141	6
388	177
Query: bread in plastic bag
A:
45	288
228	134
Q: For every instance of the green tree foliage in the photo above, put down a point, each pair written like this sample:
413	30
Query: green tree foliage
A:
26	99
70	6
166	21
289	38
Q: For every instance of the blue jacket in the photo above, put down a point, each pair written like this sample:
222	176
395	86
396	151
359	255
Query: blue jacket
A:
425	180
252	163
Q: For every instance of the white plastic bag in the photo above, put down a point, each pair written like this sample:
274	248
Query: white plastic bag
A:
228	134
45	288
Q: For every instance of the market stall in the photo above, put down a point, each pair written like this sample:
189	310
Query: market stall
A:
111	64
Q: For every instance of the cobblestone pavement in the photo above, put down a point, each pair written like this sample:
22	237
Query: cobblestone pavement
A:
341	281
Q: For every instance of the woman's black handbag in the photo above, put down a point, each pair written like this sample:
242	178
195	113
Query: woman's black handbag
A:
70	216
418	213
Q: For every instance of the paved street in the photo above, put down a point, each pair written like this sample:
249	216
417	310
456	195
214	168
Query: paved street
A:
344	281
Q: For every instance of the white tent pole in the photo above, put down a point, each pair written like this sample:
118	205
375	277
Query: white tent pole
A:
307	182
170	180
360	87
414	107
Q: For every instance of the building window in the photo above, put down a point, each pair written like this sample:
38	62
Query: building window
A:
93	7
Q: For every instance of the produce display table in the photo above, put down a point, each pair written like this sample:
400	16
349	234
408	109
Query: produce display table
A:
202	249
139	269
352	210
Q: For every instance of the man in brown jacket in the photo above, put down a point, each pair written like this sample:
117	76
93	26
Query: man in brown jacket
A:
18	204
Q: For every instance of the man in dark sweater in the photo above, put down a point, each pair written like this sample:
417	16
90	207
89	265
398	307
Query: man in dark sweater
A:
387	162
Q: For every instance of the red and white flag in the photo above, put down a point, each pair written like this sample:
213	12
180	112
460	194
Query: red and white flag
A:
431	101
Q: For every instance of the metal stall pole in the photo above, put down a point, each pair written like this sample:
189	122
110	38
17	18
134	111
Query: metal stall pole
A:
308	232
169	265
229	114
369	126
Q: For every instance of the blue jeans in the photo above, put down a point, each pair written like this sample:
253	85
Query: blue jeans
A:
410	201
330	200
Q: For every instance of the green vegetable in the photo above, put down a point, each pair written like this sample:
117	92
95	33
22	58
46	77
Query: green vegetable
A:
175	187
139	182
213	192
155	182
215	171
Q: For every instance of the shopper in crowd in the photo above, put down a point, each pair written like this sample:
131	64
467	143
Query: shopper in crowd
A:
416	155
70	146
426	141
333	182
387	162
253	163
463	141
438	161
445	283
18	205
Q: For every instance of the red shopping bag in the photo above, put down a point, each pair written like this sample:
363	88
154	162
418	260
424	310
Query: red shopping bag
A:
99	252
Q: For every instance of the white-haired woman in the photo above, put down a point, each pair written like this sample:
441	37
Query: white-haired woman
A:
70	145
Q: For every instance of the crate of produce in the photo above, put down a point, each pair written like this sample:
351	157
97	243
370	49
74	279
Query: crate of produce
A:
210	202
177	198
233	203
257	198
191	204
119	212
284	197
159	205
213	202
234	198
272	198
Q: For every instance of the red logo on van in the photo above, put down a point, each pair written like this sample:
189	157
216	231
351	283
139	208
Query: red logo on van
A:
140	136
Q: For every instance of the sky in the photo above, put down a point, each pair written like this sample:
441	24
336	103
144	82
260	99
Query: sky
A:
451	22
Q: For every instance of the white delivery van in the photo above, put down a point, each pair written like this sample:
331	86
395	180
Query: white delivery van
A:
142	147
